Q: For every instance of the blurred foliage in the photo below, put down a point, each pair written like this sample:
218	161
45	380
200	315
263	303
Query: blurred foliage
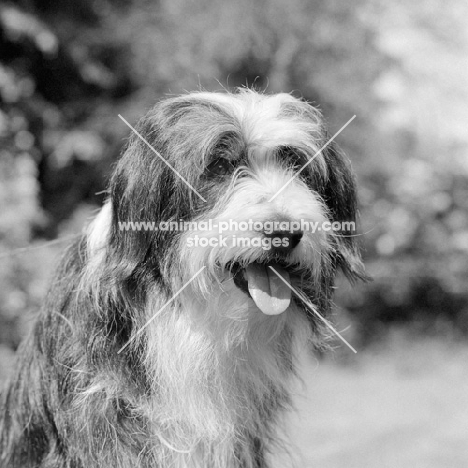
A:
68	68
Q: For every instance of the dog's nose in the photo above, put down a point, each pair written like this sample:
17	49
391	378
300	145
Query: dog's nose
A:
284	241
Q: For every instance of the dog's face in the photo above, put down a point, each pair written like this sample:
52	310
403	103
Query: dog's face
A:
251	166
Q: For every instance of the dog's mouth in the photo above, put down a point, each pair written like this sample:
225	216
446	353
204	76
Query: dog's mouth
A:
266	283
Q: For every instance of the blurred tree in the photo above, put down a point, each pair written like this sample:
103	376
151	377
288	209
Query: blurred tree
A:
416	187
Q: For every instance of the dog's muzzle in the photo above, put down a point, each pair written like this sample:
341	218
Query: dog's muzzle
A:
268	283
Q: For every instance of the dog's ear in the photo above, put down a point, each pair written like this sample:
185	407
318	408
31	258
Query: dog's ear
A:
340	195
152	181
148	182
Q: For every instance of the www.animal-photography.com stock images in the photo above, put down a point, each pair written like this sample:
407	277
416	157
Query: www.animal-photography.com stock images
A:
233	234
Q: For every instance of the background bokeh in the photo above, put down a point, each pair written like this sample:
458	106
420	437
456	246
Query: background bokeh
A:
68	68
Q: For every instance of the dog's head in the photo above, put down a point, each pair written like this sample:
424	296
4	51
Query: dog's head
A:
255	203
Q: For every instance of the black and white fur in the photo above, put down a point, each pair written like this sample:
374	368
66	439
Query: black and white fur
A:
205	382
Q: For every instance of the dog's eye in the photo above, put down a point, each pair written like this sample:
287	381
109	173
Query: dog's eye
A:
292	158
220	167
296	161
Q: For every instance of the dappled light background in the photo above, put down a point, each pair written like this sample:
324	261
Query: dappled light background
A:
68	68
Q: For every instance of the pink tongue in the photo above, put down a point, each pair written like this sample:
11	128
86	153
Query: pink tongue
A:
271	295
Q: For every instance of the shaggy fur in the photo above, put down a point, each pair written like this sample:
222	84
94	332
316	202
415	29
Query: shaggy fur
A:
204	383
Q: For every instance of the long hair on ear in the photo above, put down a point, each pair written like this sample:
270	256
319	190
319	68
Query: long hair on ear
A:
340	196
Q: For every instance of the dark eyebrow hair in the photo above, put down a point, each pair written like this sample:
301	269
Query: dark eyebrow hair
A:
231	143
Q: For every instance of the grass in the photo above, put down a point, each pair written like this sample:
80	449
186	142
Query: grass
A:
404	405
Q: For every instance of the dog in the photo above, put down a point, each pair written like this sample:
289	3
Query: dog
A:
177	347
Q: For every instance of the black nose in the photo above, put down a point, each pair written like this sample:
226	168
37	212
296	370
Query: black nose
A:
284	241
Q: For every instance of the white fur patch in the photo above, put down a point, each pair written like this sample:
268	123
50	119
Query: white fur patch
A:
96	240
98	230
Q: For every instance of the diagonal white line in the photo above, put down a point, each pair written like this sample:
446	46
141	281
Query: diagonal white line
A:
312	158
313	309
160	157
161	309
